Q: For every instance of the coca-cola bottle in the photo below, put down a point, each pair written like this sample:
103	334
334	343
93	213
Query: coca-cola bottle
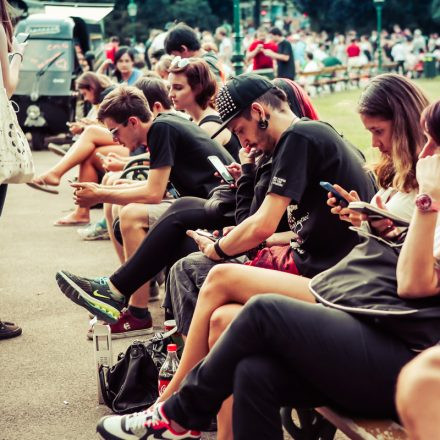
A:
168	368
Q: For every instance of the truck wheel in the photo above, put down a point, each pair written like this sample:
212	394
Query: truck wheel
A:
38	140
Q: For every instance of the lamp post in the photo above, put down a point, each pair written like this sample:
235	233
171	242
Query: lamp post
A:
237	56
132	10
379	5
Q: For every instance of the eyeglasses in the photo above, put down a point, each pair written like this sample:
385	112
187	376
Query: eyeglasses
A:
179	62
114	131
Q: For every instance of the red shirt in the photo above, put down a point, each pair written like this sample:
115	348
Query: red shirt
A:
261	61
353	50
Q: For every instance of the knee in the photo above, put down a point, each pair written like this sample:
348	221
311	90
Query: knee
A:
418	385
217	277
129	217
217	324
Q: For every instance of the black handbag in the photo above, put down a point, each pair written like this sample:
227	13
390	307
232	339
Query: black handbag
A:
131	384
365	283
221	202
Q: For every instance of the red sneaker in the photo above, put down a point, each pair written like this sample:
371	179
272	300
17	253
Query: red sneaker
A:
129	326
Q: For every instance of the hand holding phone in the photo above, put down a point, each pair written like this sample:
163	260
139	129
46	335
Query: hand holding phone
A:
206	234
221	169
22	37
340	199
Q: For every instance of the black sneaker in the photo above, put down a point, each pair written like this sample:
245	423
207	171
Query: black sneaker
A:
92	294
9	330
147	425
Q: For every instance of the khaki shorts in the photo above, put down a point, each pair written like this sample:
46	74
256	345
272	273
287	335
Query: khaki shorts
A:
156	210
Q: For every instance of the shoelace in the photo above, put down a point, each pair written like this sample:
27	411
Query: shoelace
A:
136	423
102	280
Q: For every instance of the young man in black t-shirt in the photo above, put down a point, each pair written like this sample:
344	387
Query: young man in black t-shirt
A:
283	55
178	153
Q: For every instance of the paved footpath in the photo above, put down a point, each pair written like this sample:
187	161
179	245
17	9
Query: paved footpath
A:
47	377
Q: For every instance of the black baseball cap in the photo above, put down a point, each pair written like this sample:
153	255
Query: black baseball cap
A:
238	94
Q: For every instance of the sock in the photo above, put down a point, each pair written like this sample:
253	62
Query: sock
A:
116	294
139	312
103	223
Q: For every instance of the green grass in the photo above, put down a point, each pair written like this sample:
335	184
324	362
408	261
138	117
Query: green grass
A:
339	109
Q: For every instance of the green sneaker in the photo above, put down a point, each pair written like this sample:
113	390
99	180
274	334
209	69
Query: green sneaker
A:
92	294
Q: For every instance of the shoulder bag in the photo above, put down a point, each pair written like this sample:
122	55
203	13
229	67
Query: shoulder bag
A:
16	164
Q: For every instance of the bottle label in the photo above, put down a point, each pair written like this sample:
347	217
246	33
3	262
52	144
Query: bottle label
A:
163	383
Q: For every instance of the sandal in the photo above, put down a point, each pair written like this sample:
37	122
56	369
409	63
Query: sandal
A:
43	186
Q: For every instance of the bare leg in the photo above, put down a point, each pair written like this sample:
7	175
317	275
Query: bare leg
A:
418	389
231	283
111	212
134	228
92	137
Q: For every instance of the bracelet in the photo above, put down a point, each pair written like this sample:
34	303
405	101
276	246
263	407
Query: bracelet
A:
219	251
19	54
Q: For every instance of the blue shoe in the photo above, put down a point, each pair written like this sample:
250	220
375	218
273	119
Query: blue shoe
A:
92	294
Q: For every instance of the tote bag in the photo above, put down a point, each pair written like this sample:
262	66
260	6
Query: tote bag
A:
16	164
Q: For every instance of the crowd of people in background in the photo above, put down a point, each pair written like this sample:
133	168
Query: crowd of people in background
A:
173	101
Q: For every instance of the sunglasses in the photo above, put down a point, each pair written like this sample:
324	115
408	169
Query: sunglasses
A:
114	131
179	62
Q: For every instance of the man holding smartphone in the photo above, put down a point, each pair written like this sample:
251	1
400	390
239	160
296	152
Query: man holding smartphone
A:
178	153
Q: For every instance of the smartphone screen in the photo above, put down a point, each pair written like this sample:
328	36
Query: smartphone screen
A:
221	169
207	234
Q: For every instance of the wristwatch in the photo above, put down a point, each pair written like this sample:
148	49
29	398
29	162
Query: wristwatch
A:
426	203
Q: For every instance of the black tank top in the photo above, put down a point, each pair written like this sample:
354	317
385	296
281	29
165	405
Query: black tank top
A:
233	145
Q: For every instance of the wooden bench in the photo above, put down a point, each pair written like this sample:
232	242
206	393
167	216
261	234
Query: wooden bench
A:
322	423
328	77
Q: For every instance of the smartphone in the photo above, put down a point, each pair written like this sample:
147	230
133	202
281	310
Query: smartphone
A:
207	234
338	196
375	213
22	37
221	169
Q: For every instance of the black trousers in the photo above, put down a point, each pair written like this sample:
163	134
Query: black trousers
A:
3	189
282	352
165	243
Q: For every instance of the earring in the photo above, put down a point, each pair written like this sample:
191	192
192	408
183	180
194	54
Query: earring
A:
263	123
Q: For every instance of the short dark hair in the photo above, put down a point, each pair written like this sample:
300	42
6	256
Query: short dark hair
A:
155	90
274	97
181	35
123	102
276	31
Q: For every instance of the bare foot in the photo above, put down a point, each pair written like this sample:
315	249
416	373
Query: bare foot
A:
48	178
73	219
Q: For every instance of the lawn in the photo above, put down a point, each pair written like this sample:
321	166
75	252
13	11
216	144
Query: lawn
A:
339	109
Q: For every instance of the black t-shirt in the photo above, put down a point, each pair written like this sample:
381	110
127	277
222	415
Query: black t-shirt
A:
286	69
176	142
307	153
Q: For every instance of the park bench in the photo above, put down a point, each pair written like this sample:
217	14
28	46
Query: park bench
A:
326	78
322	423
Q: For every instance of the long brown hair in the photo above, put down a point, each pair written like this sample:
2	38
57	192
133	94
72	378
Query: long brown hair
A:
431	120
5	7
95	82
394	98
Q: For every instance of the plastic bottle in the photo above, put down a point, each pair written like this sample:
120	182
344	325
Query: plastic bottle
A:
168	368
